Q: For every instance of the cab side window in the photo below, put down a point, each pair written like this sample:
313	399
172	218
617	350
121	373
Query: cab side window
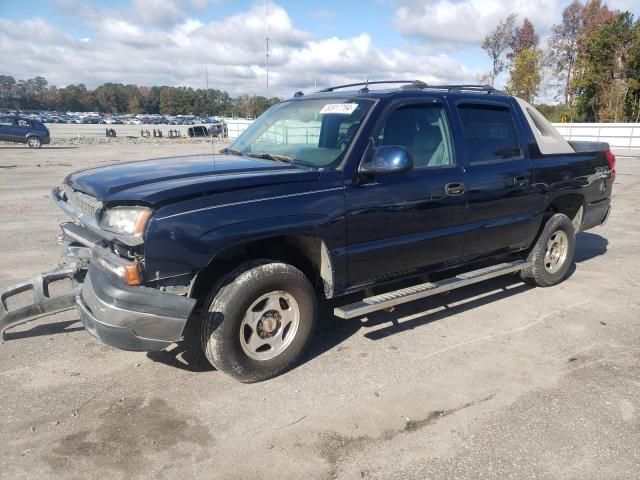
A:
489	133
423	131
23	123
6	121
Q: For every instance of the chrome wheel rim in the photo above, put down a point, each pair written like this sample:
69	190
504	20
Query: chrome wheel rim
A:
33	142
556	253
269	325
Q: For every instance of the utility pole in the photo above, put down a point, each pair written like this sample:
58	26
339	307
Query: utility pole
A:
206	97
267	42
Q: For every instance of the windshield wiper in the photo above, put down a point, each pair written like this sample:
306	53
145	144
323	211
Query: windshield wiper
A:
271	156
232	151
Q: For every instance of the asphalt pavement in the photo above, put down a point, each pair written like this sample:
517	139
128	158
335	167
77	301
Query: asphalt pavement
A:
498	380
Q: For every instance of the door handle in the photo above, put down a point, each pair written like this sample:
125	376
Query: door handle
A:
521	180
454	188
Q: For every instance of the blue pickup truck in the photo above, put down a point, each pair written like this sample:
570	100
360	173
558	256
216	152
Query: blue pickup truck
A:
341	191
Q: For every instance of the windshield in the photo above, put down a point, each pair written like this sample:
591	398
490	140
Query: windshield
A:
314	133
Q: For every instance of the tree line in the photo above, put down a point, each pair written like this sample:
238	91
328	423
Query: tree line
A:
37	94
591	60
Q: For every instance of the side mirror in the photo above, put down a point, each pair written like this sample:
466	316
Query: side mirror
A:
388	159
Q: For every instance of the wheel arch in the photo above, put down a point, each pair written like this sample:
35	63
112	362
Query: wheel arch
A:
570	204
308	253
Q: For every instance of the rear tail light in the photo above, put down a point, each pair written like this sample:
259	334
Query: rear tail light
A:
612	164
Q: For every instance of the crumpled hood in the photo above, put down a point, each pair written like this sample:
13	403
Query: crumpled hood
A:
155	182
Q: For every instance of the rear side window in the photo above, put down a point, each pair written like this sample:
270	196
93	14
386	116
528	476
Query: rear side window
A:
489	133
24	123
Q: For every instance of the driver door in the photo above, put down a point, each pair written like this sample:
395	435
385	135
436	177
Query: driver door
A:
401	223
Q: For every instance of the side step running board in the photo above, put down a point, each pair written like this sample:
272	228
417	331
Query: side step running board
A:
404	295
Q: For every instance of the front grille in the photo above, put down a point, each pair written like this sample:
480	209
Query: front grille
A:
81	201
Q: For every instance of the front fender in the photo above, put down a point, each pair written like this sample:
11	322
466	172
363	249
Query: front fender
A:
185	243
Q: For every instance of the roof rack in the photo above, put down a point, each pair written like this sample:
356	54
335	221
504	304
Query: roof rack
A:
472	88
418	85
414	83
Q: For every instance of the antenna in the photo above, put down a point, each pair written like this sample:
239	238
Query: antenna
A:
267	42
365	89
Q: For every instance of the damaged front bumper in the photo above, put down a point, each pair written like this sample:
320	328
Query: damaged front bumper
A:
123	316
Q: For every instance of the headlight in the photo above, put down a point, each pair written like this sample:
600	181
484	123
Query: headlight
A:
129	221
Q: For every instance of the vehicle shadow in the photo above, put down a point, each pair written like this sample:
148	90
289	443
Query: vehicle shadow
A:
45	329
589	245
332	331
187	354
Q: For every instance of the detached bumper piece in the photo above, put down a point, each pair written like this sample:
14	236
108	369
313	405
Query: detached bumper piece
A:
131	318
44	303
120	315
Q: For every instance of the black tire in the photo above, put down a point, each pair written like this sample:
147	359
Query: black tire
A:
545	272
225	308
34	142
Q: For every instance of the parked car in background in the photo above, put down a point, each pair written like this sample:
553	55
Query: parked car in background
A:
218	129
198	131
23	130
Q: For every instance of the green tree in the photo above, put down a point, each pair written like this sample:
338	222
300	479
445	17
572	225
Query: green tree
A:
564	44
526	76
75	98
40	89
601	84
632	71
151	99
579	23
167	103
7	86
497	42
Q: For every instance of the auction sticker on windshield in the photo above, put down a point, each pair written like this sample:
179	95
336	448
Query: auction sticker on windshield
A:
341	108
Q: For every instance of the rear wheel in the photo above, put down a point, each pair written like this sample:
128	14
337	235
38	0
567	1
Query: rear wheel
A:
258	321
552	254
34	142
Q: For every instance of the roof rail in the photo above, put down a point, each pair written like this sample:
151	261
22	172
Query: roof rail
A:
473	88
418	85
414	83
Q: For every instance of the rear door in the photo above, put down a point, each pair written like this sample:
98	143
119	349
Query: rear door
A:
400	223
501	196
21	128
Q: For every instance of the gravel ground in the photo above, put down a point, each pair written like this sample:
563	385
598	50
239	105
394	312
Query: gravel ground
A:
498	380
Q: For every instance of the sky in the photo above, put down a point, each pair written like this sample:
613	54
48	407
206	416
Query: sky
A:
322	43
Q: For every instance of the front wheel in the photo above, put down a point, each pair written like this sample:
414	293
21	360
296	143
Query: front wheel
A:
259	321
34	142
552	254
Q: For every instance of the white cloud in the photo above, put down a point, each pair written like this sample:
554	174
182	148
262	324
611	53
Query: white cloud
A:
175	50
468	21
158	12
